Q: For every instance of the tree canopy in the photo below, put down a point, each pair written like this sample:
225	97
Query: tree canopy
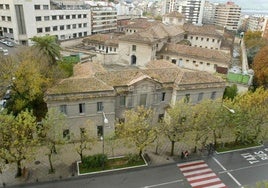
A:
260	67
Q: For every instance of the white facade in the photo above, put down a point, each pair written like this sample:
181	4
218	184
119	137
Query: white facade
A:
209	13
22	20
228	15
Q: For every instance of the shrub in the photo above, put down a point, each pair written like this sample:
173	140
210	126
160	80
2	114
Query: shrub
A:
94	161
133	158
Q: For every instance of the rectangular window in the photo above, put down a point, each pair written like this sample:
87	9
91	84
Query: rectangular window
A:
9	18
1	6
84	24
187	98
7	6
45	7
79	16
79	25
73	16
196	38
160	117
39	30
63	109
61	17
68	26
163	96
122	100
130	101
10	30
74	26
54	17
37	7
207	39
55	28
62	27
84	15
82	108
47	29
213	40
46	18
213	95
3	18
143	98
67	17
99	106
66	134
134	47
100	131
200	96
38	18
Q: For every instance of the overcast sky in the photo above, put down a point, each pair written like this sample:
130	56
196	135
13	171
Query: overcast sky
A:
248	4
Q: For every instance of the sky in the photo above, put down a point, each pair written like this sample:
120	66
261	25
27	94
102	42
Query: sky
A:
248	4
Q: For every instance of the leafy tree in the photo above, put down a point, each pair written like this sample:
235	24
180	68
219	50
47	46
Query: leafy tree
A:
112	142
50	133
137	128
230	91
251	116
177	122
48	46
18	137
254	42
260	67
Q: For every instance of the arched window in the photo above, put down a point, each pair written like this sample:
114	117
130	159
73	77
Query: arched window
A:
133	60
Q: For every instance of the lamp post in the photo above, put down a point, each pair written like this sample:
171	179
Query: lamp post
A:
105	121
229	109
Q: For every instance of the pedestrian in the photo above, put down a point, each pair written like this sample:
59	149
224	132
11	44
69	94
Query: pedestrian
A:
186	154
182	155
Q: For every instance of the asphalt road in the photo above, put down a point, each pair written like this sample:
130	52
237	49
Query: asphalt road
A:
234	169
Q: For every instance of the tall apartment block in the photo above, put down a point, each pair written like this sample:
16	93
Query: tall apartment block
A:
209	13
265	28
191	9
103	19
227	15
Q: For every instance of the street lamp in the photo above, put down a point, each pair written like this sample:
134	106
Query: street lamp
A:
229	109
105	121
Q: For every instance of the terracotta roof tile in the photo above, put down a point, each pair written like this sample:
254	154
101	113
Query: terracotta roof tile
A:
196	52
175	14
206	30
107	39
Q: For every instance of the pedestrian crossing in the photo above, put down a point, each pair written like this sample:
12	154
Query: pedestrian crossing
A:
199	175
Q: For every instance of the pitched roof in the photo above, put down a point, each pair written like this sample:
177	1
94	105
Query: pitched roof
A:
161	71
174	14
205	30
107	39
141	23
196	52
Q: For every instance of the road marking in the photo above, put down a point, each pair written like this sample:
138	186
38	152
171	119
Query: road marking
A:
199	175
161	184
229	174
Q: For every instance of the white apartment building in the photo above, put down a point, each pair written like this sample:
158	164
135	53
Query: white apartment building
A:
103	19
228	15
209	13
22	20
255	23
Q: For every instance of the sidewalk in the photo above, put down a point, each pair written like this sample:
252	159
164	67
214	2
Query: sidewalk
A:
37	170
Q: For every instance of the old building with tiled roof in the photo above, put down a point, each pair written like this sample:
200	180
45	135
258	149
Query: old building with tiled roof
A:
196	58
83	99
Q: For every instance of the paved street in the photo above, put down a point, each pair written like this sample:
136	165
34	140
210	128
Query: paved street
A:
234	169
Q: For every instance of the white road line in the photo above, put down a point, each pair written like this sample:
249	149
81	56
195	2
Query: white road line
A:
161	184
202	176
205	182
189	163
193	167
197	172
217	186
229	174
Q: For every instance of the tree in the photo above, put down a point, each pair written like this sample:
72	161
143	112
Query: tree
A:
50	133
260	67
48	46
112	141
251	116
137	128
230	91
19	138
177	122
254	42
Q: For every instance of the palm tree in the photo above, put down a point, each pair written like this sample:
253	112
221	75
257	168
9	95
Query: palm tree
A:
48	46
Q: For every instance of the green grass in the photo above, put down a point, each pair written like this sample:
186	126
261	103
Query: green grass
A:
114	163
233	146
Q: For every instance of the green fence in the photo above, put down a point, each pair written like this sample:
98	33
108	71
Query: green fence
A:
238	78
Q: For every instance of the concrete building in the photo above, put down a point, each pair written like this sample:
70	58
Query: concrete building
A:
228	15
265	28
22	20
86	98
209	13
103	19
255	23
